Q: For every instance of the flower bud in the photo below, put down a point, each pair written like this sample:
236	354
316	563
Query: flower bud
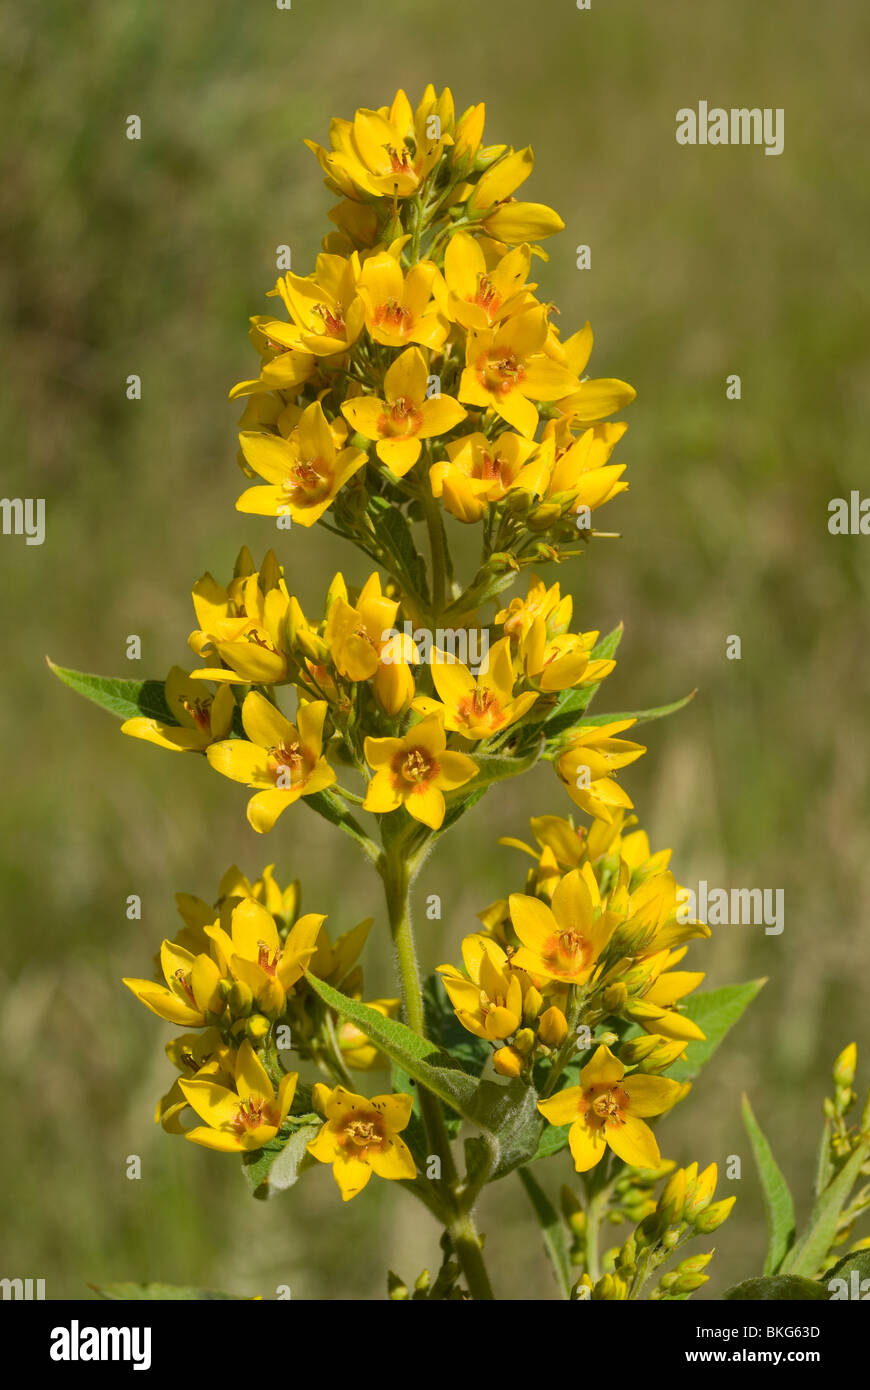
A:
844	1067
713	1217
687	1283
694	1264
257	1028
673	1198
553	1027
532	1004
508	1062
700	1194
396	1289
524	1041
615	997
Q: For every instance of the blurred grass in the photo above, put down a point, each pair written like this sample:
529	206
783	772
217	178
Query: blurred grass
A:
147	258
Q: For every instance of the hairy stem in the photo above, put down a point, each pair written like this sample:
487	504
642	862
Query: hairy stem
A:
396	874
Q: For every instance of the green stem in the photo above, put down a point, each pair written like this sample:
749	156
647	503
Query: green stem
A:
438	551
396	873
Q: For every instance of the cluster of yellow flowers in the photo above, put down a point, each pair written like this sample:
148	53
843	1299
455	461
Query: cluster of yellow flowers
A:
414	377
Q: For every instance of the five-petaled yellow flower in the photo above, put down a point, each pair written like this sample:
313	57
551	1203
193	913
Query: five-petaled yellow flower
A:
415	771
253	952
406	416
202	717
244	1119
361	1137
507	369
477	708
285	760
608	1108
565	940
304	473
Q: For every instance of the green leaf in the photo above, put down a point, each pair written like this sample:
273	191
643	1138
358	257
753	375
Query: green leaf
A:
715	1011
422	1060
640	716
278	1164
331	808
858	1263
608	645
782	1288
163	1292
572	703
509	1116
809	1253
124	698
553	1140
552	1231
778	1205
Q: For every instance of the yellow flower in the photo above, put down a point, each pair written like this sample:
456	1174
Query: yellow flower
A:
244	625
488	999
585	769
253	952
506	369
283	368
190	996
399	308
357	1049
284	760
580	473
304	473
478	708
202	717
406	416
477	295
334	963
359	641
594	399
246	1118
326	311
195	1055
361	1137
562	942
481	471
414	771
385	153
561	661
608	1108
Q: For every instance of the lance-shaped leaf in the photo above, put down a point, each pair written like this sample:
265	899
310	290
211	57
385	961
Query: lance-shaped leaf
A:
552	1231
331	808
640	716
715	1011
124	698
423	1060
778	1205
810	1251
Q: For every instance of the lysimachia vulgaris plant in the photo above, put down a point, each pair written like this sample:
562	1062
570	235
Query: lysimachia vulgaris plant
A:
412	387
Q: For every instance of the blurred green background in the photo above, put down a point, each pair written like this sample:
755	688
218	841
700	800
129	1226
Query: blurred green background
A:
147	258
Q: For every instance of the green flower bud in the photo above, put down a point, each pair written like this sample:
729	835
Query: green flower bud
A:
240	999
257	1028
713	1217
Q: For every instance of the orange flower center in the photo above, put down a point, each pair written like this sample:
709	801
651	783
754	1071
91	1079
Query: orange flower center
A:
199	711
265	960
481	705
333	322
415	766
402	419
183	978
487	297
310	481
253	1112
490	467
361	1134
392	316
604	1104
400	160
290	759
500	372
568	953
